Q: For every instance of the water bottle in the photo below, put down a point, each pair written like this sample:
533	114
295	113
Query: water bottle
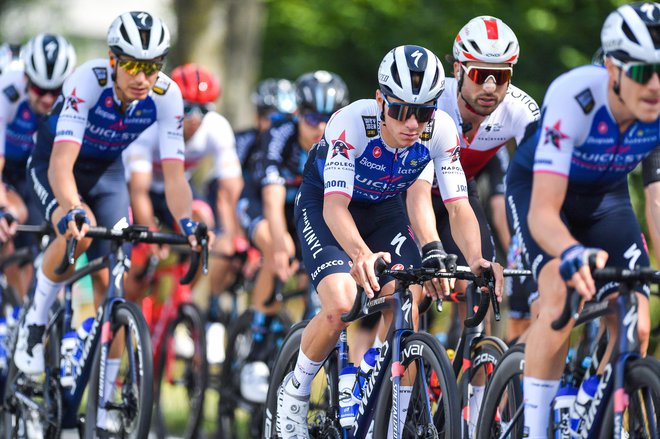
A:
82	333
582	401
67	352
364	372
562	406
348	404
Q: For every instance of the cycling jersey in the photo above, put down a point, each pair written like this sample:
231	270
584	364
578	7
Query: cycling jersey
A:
89	113
651	168
213	138
18	122
353	160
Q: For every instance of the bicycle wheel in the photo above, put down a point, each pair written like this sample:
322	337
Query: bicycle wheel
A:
181	376
642	417
433	382
502	406
484	356
239	345
323	404
130	401
33	407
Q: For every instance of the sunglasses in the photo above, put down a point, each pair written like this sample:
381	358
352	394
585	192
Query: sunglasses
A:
638	72
189	108
315	119
41	92
133	67
478	74
401	112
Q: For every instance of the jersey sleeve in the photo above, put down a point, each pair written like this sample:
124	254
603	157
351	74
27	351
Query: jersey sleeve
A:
524	118
445	152
560	131
342	135
170	118
223	147
428	173
139	156
81	91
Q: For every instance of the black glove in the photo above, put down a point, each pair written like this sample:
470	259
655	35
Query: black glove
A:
434	256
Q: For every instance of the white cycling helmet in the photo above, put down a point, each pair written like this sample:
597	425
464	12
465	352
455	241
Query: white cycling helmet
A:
48	60
486	39
412	74
139	35
632	33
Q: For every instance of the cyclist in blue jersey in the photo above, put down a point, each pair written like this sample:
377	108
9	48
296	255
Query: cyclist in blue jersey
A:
567	191
29	90
349	210
275	175
76	166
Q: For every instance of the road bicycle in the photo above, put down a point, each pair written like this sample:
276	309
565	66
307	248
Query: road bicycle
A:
417	358
627	398
41	406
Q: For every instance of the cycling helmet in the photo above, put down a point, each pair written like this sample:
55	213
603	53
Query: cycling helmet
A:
321	92
486	39
412	74
632	33
275	94
48	60
197	84
139	35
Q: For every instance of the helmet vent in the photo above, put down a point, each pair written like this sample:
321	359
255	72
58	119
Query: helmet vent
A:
395	74
628	32
144	38
476	46
416	78
655	35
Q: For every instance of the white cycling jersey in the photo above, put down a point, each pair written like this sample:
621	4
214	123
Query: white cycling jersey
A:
213	138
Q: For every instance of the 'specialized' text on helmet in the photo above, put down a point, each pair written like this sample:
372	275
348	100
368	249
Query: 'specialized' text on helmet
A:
486	39
139	35
412	74
632	33
321	91
48	60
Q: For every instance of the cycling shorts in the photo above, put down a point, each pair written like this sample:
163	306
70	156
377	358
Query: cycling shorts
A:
604	220
14	175
383	226
520	294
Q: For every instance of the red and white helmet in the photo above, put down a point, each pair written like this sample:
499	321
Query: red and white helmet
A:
486	39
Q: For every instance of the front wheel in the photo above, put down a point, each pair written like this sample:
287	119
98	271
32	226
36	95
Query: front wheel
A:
129	399
434	409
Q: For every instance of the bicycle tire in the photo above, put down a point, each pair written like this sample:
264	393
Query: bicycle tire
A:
495	413
640	374
445	421
192	380
126	315
322	416
484	354
16	415
238	346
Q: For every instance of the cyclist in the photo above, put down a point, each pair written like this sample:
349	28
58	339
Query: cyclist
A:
276	172
567	191
76	168
349	210
29	92
651	176
10	57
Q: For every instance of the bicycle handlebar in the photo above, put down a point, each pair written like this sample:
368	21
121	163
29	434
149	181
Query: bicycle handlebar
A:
607	274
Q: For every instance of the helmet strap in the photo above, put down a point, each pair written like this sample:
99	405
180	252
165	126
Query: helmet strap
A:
382	112
616	87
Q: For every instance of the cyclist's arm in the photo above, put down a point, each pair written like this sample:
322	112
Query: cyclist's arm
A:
229	191
60	174
652	195
141	206
465	230
545	224
420	212
177	189
274	196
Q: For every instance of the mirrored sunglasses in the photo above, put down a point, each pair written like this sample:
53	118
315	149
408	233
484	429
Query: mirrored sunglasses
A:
639	72
479	74
401	112
315	119
190	108
133	66
45	91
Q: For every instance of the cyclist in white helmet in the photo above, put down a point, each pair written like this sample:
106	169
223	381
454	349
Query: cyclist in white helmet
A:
349	211
76	167
29	90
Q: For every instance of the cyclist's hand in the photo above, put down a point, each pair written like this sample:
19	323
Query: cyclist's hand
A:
7	225
188	227
434	256
283	266
574	268
498	275
67	224
363	272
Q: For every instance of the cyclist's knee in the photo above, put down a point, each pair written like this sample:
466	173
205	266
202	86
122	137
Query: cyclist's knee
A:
337	294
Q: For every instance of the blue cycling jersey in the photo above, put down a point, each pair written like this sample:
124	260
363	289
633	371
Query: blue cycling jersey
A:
18	122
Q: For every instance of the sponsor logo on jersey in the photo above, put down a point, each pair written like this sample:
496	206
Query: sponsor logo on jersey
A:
179	122
585	100
371	165
455	152
11	93
493	127
554	135
428	131
340	146
72	101
161	86
370	126
101	74
377	152
526	100
335	184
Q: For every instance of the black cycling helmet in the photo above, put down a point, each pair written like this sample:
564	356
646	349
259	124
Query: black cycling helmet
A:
275	94
321	92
